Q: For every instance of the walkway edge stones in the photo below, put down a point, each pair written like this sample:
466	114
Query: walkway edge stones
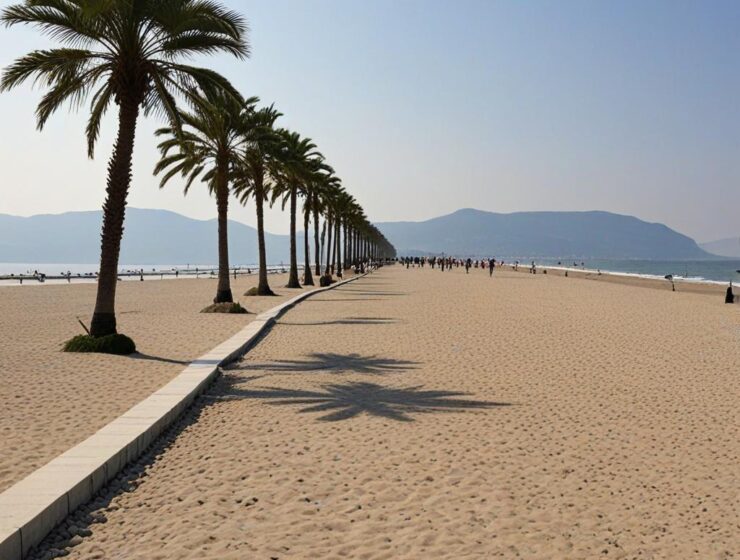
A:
30	509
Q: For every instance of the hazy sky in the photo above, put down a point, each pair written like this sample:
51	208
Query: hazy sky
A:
424	107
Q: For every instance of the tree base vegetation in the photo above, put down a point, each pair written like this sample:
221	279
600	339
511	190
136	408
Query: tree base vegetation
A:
224	308
255	292
118	344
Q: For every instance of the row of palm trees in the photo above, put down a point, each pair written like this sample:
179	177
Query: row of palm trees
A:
235	147
129	54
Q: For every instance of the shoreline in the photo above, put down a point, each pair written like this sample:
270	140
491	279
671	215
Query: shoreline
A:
659	278
692	285
705	287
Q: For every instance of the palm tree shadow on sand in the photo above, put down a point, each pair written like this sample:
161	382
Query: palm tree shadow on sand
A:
345	321
336	363
348	400
147	357
327	299
369	292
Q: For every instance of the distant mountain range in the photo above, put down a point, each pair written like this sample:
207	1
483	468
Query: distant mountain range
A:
542	234
163	237
724	247
150	237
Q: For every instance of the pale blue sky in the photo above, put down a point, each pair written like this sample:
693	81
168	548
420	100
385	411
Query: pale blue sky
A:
424	107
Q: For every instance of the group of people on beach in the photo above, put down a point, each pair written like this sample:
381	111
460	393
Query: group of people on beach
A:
446	263
452	262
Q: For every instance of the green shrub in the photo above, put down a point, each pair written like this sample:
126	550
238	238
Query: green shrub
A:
254	291
118	344
225	308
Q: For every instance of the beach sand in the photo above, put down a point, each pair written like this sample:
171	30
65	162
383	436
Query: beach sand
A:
50	400
421	414
681	285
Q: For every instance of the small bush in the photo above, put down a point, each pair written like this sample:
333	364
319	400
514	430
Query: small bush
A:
118	344
255	292
224	308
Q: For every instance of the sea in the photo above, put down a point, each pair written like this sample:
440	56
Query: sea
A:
720	271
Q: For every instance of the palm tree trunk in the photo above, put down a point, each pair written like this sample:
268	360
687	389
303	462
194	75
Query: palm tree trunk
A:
323	240
354	246
329	246
263	287
350	252
335	229
293	277
337	246
346	246
317	256
223	292
114	211
307	276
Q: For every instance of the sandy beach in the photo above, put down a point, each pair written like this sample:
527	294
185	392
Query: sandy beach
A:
680	285
421	414
51	400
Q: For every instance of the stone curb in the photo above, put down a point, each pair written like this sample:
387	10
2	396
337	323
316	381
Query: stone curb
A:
30	509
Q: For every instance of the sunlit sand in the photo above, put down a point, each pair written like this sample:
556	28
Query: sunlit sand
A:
421	414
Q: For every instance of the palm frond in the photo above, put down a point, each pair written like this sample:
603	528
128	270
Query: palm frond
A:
100	103
134	47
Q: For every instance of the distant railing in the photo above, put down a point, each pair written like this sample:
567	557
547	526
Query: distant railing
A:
140	274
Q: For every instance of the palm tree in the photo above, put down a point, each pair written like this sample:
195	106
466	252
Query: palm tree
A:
307	211
127	52
331	196
293	167
312	187
322	188
253	178
343	206
208	147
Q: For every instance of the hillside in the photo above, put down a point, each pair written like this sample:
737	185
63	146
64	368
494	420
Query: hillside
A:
724	247
164	237
542	234
150	237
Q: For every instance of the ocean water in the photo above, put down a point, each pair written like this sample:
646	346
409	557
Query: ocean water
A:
715	271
